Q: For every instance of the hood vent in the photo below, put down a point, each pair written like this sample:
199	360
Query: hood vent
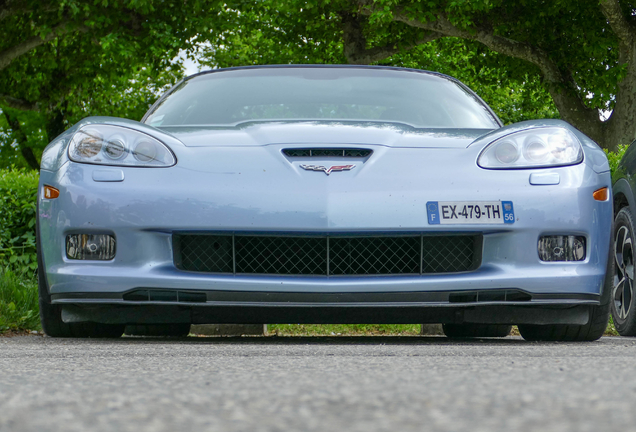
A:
328	152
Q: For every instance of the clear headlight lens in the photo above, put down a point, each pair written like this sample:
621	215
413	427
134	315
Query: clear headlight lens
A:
544	147
113	145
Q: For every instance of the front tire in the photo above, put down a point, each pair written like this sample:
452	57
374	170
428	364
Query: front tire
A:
623	304
53	326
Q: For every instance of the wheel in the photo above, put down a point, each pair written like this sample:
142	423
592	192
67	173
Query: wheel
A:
174	330
623	305
593	330
52	324
51	315
476	330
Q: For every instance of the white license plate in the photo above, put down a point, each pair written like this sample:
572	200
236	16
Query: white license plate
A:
470	212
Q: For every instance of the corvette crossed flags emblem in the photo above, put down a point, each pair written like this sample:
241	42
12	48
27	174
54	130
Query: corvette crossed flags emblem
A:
328	170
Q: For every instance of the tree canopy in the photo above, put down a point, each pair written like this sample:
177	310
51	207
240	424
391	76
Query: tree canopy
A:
61	60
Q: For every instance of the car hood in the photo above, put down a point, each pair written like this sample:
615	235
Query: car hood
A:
316	133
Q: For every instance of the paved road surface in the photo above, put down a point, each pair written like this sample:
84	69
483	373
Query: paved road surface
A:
316	384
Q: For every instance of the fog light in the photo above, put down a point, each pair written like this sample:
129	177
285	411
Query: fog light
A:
562	248
90	247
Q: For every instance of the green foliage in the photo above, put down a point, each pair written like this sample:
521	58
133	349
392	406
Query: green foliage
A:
513	94
615	157
344	329
114	59
19	309
274	32
574	33
18	194
611	329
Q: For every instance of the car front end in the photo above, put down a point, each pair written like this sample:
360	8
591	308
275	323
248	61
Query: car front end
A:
316	222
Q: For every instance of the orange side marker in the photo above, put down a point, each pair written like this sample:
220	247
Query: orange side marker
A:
50	192
601	194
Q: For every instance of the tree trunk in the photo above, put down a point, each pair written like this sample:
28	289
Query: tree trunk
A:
620	128
55	124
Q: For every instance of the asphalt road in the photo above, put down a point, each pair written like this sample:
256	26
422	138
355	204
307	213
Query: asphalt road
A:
316	384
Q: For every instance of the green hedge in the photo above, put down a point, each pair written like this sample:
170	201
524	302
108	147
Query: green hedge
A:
19	309
18	197
615	157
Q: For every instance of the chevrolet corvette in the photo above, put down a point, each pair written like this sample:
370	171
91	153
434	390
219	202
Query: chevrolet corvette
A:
324	194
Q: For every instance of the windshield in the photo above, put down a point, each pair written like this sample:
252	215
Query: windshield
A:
228	98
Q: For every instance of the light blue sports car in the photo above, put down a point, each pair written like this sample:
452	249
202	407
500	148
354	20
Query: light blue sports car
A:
324	194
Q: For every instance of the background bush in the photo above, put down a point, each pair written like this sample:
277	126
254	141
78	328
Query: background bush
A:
18	196
19	309
615	157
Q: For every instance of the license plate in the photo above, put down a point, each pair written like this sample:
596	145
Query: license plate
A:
470	212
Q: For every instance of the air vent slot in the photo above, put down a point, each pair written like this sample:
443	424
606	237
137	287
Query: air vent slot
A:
489	296
328	152
165	296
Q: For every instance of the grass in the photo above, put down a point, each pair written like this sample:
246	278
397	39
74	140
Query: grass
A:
19	308
611	330
344	330
370	330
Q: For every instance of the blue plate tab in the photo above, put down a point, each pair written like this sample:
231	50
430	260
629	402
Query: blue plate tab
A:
508	212
433	212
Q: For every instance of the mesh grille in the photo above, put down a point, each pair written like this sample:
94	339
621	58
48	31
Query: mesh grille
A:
280	255
205	253
328	152
443	254
374	255
321	255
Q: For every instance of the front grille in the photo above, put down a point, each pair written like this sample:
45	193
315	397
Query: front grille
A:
374	255
327	255
328	152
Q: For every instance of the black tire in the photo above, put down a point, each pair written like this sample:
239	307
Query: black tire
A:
623	304
171	330
51	315
476	330
593	330
53	326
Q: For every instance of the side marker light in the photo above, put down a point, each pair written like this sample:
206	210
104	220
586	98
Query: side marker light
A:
601	194
50	192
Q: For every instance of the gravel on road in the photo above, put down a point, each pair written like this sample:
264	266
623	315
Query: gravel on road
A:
316	384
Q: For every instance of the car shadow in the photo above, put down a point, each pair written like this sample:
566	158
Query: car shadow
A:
321	340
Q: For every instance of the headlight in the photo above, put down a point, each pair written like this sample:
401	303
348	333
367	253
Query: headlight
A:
544	147
113	145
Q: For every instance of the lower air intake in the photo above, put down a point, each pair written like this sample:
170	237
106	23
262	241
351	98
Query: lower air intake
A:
327	255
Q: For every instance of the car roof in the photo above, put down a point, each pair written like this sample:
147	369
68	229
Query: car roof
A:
325	66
